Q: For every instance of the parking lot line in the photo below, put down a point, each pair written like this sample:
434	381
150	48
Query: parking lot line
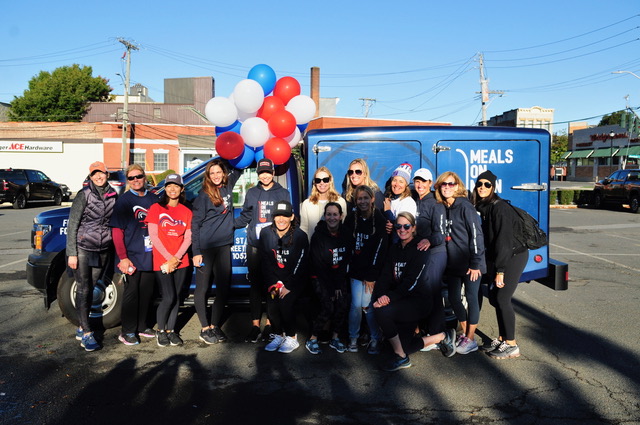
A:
597	257
12	263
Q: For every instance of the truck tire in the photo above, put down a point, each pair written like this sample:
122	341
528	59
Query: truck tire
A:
597	200
107	301
20	202
633	203
57	198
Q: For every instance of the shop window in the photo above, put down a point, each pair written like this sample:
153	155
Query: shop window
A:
160	161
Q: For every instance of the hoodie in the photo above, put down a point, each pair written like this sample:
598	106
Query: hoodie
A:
256	211
330	255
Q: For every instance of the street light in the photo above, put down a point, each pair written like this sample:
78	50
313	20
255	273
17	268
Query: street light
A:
611	134
626	72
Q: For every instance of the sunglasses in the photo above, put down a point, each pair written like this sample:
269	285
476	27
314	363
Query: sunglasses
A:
400	226
488	185
139	176
450	184
358	172
319	180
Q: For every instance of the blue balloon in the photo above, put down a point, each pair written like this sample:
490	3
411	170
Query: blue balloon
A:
259	153
302	127
235	127
244	160
265	76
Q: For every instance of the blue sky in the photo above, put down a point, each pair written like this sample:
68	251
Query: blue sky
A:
419	61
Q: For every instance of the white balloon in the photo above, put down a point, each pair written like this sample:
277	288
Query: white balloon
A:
302	107
255	132
243	116
248	96
221	111
293	138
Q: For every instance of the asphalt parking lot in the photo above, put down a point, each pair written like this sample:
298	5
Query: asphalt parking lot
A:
580	359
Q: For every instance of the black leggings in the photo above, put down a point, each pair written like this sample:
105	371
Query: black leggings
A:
282	313
136	300
257	292
400	317
436	264
500	298
91	267
171	286
332	308
217	265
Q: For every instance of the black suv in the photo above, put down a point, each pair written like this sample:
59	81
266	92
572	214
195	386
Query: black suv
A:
22	187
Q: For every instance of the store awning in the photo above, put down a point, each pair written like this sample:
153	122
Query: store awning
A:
581	154
633	152
604	153
566	155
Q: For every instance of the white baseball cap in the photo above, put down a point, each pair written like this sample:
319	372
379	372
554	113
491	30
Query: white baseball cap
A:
423	174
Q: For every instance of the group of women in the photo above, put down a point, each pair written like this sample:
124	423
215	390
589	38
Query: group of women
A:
362	253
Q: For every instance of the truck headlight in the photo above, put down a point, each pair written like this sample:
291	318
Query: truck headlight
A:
39	230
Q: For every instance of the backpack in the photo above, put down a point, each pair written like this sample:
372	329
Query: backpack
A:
529	233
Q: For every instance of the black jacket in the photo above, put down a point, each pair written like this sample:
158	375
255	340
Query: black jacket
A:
258	206
430	212
370	245
330	255
463	237
284	259
404	273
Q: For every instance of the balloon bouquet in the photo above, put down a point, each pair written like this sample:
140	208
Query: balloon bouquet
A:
251	124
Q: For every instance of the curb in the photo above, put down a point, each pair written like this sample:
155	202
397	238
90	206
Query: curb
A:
563	207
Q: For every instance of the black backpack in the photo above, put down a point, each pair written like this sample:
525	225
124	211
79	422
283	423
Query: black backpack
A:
529	233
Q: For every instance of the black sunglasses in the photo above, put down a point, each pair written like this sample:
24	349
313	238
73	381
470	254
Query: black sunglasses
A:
319	180
400	226
358	172
139	176
488	185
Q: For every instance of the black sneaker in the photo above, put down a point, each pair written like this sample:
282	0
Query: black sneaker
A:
174	338
254	335
148	333
162	338
222	337
448	344
128	339
364	339
208	336
267	333
397	363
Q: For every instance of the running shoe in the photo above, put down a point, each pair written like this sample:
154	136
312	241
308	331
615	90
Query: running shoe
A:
467	346
288	345
219	333
89	343
148	333
337	345
374	346
397	363
505	351
174	338
275	343
313	347
162	338
208	336
254	335
267	334
79	334
447	345
491	345
128	339
353	345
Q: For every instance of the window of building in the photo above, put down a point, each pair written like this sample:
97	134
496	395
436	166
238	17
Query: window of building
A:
157	113
160	160
139	156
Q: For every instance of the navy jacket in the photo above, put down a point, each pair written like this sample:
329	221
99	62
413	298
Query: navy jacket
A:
330	255
284	259
257	209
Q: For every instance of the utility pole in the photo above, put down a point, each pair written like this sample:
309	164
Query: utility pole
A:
484	90
367	104
125	109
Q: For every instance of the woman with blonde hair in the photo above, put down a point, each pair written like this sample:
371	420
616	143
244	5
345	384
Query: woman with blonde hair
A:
358	174
465	255
323	191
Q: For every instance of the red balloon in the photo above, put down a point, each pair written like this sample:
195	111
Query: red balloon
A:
277	150
270	106
282	123
286	89
230	145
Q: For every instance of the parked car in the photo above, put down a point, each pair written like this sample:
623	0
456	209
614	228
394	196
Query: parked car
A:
22	187
621	187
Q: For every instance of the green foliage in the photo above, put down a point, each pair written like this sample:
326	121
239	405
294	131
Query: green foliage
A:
613	118
553	197
159	177
59	96
566	197
559	146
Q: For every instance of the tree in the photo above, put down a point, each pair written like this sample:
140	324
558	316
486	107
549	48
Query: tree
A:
559	146
611	119
59	96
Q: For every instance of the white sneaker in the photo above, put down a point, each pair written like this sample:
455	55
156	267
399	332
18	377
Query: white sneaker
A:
288	345
467	346
430	347
275	343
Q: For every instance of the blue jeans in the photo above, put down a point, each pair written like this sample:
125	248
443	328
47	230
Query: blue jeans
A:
361	301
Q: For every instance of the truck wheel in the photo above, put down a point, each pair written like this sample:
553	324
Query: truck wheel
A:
106	306
633	204
57	198
597	200
20	202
